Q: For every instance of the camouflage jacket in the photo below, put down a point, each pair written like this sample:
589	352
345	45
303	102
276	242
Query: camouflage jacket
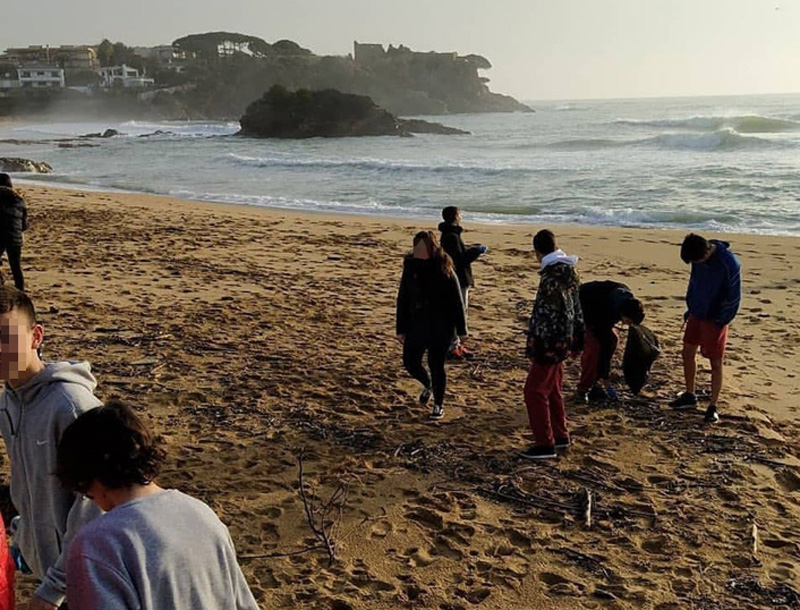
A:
556	326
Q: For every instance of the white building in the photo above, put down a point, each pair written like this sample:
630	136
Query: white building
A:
163	54
124	76
41	77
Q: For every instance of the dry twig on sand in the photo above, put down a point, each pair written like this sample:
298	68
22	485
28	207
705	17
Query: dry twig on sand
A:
323	519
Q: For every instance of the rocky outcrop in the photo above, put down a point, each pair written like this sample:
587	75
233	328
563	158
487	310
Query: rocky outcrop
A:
281	113
16	164
420	126
108	133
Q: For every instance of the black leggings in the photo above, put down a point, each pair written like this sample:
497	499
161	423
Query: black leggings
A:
14	254
437	354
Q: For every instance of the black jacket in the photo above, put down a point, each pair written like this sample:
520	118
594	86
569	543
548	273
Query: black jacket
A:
13	217
462	256
429	304
601	302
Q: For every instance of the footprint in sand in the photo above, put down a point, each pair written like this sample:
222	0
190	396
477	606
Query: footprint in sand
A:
426	517
381	529
418	558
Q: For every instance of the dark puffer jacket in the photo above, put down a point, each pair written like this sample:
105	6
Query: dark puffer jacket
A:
556	326
429	305
462	256
13	217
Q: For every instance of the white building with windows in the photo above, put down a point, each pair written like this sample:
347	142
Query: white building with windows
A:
41	77
125	76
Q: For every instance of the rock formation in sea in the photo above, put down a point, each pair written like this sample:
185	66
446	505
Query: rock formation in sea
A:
16	164
281	113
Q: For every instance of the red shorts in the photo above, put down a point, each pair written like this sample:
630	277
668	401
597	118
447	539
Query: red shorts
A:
711	338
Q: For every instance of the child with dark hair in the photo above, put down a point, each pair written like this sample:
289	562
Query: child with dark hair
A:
153	548
604	304
463	257
13	223
712	300
429	312
39	400
555	332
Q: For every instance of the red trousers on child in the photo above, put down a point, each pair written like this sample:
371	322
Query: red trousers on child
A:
596	359
545	403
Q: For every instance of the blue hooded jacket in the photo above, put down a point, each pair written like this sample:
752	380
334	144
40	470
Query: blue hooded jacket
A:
715	286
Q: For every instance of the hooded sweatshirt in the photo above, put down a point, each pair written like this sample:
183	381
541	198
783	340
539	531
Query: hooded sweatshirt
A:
556	325
32	419
462	256
159	552
715	286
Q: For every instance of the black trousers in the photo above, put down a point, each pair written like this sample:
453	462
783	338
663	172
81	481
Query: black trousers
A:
14	254
413	352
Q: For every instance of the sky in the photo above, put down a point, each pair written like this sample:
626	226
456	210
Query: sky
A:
540	49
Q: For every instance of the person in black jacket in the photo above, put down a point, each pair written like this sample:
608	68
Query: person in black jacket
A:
605	304
13	222
463	258
429	311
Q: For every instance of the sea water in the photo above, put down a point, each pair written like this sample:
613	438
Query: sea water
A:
727	164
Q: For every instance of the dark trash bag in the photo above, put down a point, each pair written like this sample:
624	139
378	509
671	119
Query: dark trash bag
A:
641	351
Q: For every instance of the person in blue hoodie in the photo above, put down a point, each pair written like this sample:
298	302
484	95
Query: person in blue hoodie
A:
38	401
712	301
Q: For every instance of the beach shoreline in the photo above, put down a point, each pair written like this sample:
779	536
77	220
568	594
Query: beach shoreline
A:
253	338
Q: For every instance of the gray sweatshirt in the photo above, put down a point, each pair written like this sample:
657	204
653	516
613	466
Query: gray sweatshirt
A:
32	419
158	552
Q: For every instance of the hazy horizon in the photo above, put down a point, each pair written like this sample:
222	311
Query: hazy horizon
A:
609	49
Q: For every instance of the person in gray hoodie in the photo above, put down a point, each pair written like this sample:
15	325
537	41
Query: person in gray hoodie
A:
37	404
154	548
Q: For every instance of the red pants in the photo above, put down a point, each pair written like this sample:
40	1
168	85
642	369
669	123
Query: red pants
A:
545	404
596	359
711	338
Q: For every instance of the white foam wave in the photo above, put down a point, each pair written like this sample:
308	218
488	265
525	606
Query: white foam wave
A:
741	124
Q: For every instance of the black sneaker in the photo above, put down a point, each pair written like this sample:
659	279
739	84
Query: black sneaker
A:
597	394
562	443
711	416
437	412
424	396
537	452
684	401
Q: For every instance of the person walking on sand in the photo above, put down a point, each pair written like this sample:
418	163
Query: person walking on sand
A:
38	401
555	332
463	257
712	301
604	304
153	548
429	311
13	223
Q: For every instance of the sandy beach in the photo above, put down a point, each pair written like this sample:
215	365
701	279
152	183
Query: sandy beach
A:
255	337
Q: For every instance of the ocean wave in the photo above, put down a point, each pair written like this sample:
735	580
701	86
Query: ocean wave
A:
722	139
376	165
181	129
741	124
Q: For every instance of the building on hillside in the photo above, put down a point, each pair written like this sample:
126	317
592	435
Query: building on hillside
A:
162	54
41	77
123	76
368	53
69	57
